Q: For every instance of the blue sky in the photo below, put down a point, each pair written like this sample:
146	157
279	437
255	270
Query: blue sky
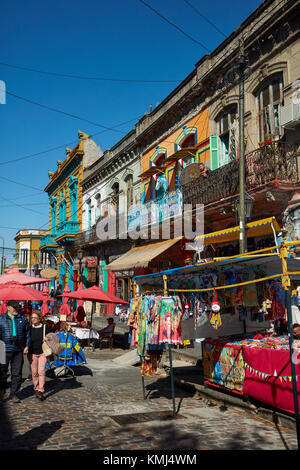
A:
119	39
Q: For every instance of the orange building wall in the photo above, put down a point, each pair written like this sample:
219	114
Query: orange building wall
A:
201	122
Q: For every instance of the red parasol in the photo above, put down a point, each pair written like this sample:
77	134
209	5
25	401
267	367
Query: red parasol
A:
65	308
14	275
96	294
16	291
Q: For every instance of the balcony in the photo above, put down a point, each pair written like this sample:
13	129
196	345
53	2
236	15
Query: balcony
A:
48	241
162	209
65	232
274	162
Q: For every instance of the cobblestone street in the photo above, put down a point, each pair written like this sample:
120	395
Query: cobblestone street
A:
78	414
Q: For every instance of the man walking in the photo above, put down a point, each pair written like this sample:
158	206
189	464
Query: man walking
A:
15	333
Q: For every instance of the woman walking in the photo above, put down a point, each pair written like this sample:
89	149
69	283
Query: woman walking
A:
39	329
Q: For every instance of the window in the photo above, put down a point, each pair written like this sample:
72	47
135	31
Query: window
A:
24	257
225	128
129	190
115	197
98	207
89	213
269	98
188	142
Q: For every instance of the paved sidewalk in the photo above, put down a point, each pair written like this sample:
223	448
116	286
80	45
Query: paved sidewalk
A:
83	413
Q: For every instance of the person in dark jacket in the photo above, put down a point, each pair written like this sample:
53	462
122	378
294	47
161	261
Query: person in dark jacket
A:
15	333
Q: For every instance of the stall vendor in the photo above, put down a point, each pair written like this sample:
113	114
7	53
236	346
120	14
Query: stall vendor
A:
296	330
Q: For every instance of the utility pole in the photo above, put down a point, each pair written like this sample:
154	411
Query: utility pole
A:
243	228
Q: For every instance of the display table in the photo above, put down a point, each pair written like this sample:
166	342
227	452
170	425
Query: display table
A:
223	363
268	375
85	333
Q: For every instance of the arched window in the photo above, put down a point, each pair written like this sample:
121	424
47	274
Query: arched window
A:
115	197
269	97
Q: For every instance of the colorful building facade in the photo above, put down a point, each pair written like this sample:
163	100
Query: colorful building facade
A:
65	208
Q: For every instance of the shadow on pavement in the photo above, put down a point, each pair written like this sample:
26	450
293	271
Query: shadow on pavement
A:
162	388
33	438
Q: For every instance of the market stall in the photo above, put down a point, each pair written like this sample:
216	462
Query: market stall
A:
231	303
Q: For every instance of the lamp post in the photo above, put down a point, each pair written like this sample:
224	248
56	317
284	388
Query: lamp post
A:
245	211
80	257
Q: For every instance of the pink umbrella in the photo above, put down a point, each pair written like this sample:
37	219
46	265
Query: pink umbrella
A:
3	308
65	308
45	309
16	291
14	275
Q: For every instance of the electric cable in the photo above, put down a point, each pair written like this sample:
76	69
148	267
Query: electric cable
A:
21	184
205	18
21	206
174	25
62	146
74	116
82	77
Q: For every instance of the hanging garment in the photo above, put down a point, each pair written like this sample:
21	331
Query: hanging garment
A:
170	316
278	300
250	290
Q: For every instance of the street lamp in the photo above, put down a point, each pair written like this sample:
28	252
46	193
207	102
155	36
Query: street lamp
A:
248	206
80	257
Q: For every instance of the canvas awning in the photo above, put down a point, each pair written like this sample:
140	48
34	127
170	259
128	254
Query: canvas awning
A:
254	229
140	257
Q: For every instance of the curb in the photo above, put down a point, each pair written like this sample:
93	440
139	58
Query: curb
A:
273	416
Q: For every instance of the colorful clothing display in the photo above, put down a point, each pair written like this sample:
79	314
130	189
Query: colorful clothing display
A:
72	354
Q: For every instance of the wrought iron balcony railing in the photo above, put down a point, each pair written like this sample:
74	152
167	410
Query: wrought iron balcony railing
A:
48	240
275	161
67	228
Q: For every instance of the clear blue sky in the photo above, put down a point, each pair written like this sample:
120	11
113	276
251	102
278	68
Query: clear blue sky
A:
115	39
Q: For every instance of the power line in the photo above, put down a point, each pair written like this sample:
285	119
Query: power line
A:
30	204
74	116
21	206
174	25
21	184
82	77
58	147
204	17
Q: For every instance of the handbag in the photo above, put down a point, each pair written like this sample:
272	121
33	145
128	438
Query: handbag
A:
46	349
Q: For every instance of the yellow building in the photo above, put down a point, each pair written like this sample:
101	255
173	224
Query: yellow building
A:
28	255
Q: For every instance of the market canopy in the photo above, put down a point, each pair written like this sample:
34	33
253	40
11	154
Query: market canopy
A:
140	257
254	229
14	275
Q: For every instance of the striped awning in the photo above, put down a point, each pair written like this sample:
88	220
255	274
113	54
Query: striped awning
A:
254	229
140	257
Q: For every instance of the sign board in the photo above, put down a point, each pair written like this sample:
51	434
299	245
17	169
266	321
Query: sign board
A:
87	262
48	273
189	173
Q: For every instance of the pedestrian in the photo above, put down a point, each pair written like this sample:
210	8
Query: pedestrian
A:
15	333
39	329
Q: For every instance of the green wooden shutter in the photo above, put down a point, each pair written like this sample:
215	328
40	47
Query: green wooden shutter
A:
214	152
